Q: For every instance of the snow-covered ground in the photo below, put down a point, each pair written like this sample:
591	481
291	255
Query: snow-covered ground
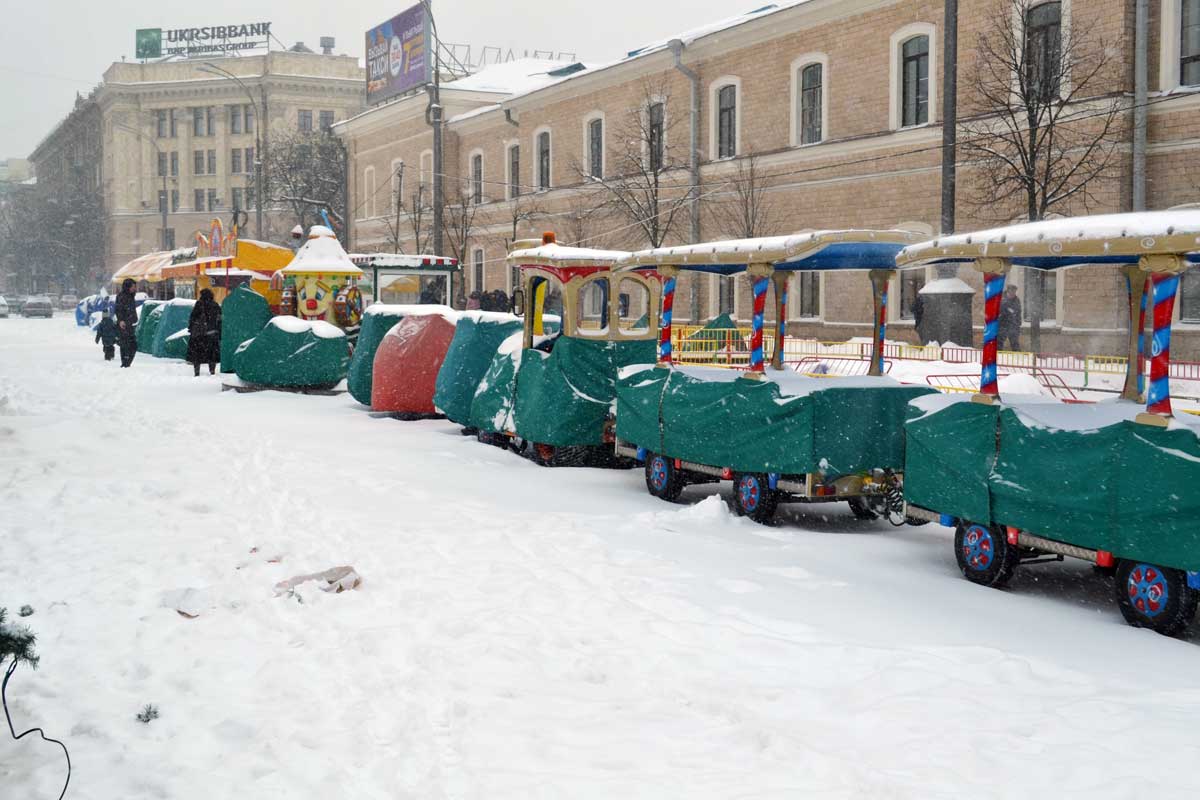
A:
519	632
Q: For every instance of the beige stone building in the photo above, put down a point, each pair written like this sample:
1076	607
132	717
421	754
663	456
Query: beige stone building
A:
198	130
837	103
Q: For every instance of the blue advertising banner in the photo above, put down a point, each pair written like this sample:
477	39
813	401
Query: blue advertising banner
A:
398	55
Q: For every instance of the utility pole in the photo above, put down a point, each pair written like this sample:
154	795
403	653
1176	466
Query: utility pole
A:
949	114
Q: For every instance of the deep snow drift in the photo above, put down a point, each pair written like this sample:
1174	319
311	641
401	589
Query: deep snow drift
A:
519	632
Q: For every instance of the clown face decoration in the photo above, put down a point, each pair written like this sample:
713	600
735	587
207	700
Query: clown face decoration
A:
313	299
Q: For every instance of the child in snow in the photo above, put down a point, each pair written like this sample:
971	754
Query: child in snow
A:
107	330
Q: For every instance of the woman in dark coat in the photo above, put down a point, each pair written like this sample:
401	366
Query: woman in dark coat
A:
204	333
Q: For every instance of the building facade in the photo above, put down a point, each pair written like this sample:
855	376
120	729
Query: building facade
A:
179	136
832	108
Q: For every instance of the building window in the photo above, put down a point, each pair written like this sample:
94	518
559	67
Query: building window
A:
811	81
914	72
1189	296
249	161
174	164
369	189
174	199
210	124
162	202
166	238
237	196
514	171
212	199
212	162
911	283
235	119
198	199
304	120
174	129
543	160
656	117
477	178
725	290
595	147
1043	50
249	119
161	120
197	122
162	164
808	294
326	121
477	269
727	121
235	161
198	162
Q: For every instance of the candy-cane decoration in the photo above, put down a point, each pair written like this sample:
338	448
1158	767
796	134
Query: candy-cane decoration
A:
1158	397
1141	353
993	289
756	336
664	335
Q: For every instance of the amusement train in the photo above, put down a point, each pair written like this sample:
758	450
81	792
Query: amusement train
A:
585	373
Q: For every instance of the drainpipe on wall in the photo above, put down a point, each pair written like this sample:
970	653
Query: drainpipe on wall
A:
1140	25
676	46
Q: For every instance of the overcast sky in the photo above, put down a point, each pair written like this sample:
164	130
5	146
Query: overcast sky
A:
53	48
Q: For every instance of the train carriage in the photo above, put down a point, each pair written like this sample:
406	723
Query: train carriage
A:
1024	480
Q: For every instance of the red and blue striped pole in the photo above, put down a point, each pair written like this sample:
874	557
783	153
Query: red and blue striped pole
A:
993	289
668	304
756	334
781	299
1158	396
1141	341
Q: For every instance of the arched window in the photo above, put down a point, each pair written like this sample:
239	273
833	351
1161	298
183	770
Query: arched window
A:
1043	50
477	269
514	170
593	145
477	178
812	81
727	121
542	144
914	81
656	114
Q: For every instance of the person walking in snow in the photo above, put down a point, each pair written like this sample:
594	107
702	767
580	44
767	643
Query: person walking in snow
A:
127	319
204	333
107	330
1010	320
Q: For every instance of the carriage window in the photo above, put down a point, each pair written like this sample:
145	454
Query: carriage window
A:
633	306
593	308
544	306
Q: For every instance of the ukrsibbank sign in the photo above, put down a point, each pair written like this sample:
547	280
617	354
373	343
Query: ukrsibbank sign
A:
158	42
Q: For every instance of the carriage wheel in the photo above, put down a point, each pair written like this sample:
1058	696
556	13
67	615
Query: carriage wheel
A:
753	497
662	479
868	508
984	554
1155	597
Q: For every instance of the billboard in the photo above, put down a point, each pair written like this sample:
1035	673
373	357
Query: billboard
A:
149	42
398	55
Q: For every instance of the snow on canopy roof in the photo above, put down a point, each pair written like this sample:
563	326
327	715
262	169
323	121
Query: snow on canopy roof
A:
1055	243
149	267
814	250
557	255
321	254
401	260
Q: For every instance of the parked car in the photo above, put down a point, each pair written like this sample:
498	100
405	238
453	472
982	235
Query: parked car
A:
68	301
3	306
38	306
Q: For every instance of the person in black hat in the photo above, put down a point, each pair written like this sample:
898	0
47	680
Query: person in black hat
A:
126	314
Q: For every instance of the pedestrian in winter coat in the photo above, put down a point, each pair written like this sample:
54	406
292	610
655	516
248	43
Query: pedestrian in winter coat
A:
127	319
1010	320
500	300
473	301
204	333
107	331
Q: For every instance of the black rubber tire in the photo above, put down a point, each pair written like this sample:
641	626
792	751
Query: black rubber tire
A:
753	497
571	456
1135	583
517	445
662	479
868	508
984	554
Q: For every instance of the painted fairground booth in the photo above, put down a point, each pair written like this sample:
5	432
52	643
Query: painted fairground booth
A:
1025	480
778	434
399	279
551	390
222	262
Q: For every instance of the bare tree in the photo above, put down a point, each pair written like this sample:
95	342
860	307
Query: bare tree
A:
579	218
418	214
522	211
744	210
647	150
396	220
1044	119
308	173
459	221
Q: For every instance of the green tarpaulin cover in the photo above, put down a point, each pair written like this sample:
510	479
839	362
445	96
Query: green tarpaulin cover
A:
1119	486
148	318
563	397
172	318
288	353
375	325
788	424
243	315
476	338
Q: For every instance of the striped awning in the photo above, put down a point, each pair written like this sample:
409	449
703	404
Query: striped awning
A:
197	267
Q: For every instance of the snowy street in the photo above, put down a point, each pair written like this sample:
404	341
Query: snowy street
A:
520	632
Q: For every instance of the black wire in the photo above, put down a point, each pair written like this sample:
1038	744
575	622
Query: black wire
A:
4	701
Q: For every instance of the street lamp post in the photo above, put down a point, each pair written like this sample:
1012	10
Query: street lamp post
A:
260	120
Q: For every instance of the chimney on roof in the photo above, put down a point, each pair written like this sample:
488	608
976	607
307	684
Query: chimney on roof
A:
327	45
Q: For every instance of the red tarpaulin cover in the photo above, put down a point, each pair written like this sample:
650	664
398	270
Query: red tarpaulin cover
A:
407	363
